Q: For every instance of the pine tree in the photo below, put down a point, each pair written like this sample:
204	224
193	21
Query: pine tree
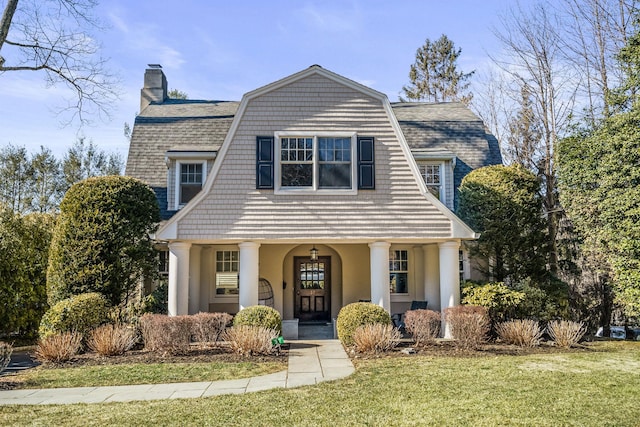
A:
435	76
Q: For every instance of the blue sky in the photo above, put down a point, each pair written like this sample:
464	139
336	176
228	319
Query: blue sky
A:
221	50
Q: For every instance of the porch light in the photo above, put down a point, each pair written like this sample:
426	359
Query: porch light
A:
313	253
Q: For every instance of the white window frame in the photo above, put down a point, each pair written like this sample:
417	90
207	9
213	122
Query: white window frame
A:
179	164
279	189
407	271
443	178
216	272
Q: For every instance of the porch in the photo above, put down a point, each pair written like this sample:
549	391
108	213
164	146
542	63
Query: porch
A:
221	277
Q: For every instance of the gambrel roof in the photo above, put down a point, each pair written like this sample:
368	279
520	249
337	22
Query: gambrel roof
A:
203	125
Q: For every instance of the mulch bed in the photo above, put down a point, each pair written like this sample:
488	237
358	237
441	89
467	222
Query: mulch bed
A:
447	348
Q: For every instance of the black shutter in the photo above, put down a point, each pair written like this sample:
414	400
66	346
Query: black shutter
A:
264	162
366	164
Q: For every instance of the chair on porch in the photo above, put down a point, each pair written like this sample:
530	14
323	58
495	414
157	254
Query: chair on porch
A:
398	318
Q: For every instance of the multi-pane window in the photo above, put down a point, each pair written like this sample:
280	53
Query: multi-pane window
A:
399	271
334	162
317	162
227	268
190	181
432	175
296	159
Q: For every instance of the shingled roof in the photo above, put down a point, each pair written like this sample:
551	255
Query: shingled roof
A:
194	125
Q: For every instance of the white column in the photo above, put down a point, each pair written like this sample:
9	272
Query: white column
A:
206	277
178	298
249	274
194	279
449	279
431	282
379	264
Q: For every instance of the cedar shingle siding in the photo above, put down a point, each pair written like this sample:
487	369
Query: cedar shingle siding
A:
235	210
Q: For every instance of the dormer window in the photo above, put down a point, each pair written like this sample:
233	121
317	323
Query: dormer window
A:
187	173
432	175
191	179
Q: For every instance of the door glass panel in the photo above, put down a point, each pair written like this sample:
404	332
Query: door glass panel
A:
312	275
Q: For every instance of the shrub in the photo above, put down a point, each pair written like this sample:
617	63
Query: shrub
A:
524	333
357	314
469	325
423	325
248	340
376	338
165	333
157	301
259	315
112	340
499	300
5	355
24	250
209	327
566	333
59	347
80	313
102	239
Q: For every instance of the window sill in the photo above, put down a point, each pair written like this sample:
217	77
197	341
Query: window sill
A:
401	298
310	192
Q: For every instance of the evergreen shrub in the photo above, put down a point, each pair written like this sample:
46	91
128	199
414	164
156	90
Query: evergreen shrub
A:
259	315
80	313
357	314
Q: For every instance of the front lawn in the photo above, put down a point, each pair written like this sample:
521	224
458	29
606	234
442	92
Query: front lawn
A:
127	374
597	387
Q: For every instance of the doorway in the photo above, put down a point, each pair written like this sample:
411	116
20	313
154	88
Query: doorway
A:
312	282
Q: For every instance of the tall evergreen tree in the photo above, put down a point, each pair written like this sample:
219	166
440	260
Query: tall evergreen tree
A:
599	176
435	76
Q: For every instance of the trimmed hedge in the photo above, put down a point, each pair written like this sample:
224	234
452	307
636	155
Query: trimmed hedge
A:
259	315
80	313
357	314
101	242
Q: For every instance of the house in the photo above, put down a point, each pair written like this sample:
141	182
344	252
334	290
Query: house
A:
315	183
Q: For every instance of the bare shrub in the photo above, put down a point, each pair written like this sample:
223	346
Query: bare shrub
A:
523	333
112	340
248	340
423	325
209	327
375	338
5	355
566	333
469	325
59	347
166	333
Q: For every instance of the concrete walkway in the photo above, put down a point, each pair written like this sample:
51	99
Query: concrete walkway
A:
310	362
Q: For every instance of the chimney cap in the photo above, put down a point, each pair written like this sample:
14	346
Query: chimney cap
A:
154	65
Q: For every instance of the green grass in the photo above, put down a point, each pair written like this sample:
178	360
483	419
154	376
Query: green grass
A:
585	388
153	373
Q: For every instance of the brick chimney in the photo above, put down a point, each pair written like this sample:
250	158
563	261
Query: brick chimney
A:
155	86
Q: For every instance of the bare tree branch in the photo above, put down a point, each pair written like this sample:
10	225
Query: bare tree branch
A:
55	37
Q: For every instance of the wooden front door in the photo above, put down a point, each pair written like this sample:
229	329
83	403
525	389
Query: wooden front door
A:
312	288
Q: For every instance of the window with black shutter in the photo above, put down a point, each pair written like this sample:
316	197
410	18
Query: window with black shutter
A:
264	162
366	164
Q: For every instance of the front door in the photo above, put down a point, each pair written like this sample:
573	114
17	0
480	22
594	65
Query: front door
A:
312	288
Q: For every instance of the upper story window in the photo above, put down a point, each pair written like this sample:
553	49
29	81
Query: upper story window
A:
432	175
316	163
190	176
